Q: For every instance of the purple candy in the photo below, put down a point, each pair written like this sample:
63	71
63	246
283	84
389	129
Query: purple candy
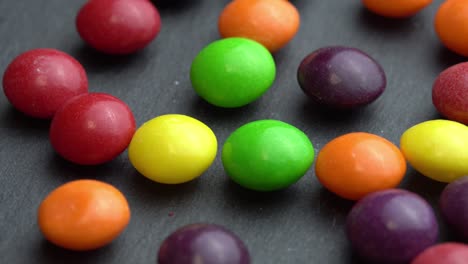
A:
341	77
454	206
203	243
391	226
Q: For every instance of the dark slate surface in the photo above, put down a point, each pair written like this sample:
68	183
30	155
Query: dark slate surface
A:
302	224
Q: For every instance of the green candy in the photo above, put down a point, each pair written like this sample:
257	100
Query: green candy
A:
267	155
232	72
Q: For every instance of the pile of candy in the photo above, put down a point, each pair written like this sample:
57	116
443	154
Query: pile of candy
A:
386	225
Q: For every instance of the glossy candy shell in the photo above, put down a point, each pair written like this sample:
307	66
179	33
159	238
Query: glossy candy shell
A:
391	226
267	155
92	129
341	77
203	243
173	149
232	72
38	82
437	149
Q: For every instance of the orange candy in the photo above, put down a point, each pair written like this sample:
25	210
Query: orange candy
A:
272	23
83	215
451	25
357	164
396	8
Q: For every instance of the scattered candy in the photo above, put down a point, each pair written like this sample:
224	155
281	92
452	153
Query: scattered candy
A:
267	155
450	93
118	26
83	215
40	81
203	243
232	72
391	226
356	164
451	25
437	149
341	77
454	206
445	253
173	149
272	23
92	129
396	8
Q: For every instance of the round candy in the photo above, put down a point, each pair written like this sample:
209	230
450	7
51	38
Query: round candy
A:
454	206
437	149
451	25
92	129
341	77
445	253
391	226
396	8
203	243
83	215
267	155
173	149
450	93
40	81
272	23
367	163
118	26
232	72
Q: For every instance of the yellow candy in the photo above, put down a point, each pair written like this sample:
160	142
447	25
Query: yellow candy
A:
437	149
173	149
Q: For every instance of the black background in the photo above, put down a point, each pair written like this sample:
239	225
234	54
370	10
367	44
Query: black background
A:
302	224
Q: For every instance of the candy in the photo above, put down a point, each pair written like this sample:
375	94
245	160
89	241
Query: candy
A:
40	81
391	226
92	129
203	243
437	149
445	253
173	149
83	215
356	164
267	155
451	25
450	93
232	72
272	23
396	8
118	26
454	206
341	77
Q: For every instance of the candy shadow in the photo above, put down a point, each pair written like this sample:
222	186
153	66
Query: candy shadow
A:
446	58
52	254
29	126
258	203
175	6
95	62
71	171
427	188
299	4
330	119
147	192
331	206
382	25
201	108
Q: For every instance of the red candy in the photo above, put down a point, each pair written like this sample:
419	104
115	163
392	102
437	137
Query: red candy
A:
446	253
92	129
118	26
450	93
38	82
